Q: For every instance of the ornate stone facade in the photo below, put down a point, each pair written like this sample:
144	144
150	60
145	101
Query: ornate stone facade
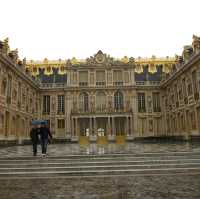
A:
101	97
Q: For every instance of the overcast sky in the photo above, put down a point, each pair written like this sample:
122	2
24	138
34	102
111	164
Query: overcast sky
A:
79	28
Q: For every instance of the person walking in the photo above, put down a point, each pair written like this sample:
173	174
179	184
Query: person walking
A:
34	135
45	136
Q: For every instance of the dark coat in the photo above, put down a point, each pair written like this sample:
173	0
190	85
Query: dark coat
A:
45	133
34	135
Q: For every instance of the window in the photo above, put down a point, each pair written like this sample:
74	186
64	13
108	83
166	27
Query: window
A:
118	101
61	104
9	86
194	81
100	78
19	92
3	87
61	123
141	102
184	88
83	78
118	79
46	104
190	88
83	100
156	102
101	101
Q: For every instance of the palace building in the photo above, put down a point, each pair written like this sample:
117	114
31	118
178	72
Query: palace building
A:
101	97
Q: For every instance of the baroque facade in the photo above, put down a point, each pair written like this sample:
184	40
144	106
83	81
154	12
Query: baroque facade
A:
101	97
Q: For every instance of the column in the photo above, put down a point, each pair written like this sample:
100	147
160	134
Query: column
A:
113	126
127	126
95	126
109	127
76	127
131	125
72	126
91	129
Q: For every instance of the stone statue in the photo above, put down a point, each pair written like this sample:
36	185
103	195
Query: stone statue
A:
196	43
6	47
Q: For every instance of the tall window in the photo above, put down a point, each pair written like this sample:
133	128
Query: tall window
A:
100	78
83	100
3	86
118	78
156	102
61	123
83	78
9	86
101	101
46	104
184	88
61	104
118	100
141	102
19	91
194	81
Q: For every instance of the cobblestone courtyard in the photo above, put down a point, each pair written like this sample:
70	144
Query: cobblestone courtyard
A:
185	186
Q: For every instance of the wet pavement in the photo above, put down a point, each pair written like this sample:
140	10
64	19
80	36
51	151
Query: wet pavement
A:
130	147
166	186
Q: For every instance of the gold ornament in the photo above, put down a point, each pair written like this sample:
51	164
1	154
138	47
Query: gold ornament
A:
152	68
48	70
139	68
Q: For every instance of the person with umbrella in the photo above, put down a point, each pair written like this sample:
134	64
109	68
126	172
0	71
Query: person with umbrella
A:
45	135
34	135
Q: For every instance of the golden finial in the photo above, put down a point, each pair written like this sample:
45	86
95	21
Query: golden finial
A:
125	59
74	61
45	61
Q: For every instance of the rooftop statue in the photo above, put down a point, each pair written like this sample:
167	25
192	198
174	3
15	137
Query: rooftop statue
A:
196	43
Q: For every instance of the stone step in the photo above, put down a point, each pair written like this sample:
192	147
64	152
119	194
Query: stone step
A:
50	163
116	155
95	159
98	167
50	174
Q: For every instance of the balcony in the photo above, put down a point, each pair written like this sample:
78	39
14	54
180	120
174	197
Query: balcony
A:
147	83
142	110
46	113
52	85
60	112
83	84
119	83
99	84
101	111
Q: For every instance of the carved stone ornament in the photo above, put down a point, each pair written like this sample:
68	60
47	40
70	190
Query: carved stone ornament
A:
99	58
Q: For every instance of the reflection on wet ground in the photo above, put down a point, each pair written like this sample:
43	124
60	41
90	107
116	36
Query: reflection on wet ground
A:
170	186
129	147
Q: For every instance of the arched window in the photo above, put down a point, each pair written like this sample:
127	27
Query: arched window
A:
118	100
83	101
3	87
100	101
